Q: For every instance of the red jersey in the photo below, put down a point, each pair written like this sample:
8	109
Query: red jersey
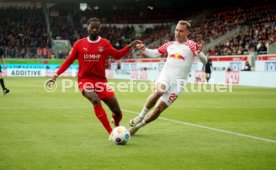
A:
91	56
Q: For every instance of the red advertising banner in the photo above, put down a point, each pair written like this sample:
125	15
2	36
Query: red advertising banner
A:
229	58
267	57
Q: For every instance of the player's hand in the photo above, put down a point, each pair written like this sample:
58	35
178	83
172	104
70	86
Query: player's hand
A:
134	43
141	46
51	81
199	46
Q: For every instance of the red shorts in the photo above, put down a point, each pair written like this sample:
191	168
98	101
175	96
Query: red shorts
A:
101	88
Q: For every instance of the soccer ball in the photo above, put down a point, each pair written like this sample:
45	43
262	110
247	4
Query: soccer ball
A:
120	135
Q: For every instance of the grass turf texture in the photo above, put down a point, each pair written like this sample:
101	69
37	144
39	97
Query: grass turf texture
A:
41	130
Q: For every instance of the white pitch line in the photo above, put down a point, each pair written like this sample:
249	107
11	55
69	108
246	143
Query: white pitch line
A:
210	128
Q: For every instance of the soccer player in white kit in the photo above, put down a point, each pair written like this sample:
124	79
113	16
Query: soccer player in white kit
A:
180	55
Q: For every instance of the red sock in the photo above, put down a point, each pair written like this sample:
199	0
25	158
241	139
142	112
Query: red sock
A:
101	115
117	119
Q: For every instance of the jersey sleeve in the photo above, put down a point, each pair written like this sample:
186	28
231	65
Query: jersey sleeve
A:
163	49
202	58
70	59
192	46
152	53
117	54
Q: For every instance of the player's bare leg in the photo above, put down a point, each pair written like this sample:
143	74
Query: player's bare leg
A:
151	101
156	112
161	106
98	109
113	105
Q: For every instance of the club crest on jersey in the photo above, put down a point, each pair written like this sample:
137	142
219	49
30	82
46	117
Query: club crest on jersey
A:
100	48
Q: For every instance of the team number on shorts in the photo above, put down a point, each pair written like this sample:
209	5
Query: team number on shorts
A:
172	97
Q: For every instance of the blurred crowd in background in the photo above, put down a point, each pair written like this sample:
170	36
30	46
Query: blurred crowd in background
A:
27	32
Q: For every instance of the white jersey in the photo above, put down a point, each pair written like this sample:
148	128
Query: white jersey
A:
180	58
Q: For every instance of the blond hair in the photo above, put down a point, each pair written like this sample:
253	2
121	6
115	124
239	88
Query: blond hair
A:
187	23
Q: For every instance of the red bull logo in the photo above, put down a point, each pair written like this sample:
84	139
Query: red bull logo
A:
177	56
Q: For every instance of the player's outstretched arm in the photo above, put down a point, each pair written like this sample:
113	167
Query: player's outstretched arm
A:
200	46
141	46
149	52
52	80
134	43
202	58
201	55
118	54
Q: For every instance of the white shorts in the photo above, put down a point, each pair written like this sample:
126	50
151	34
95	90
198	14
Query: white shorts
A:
173	88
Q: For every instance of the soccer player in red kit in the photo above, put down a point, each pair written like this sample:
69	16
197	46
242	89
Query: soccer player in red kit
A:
91	53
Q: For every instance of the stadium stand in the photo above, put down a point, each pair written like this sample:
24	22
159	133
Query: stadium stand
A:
24	33
259	33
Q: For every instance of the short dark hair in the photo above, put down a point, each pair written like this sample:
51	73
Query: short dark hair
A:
93	20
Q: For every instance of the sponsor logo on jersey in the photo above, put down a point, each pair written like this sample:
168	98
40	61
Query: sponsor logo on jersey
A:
177	56
92	56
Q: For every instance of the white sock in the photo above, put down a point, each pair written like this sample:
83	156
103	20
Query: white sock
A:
139	125
144	112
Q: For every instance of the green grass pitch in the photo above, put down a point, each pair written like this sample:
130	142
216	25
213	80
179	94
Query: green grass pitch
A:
42	130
